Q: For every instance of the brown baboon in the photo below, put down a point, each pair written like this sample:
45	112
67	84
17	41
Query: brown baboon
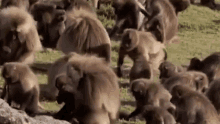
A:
147	92
84	33
94	89
157	115
144	50
129	14
210	3
58	68
21	86
180	5
193	107
24	4
210	65
197	81
50	22
19	39
168	69
162	21
213	93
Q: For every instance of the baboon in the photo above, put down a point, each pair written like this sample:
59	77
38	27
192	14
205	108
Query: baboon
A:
213	94
24	4
50	22
21	86
143	49
19	39
180	5
162	20
157	115
197	81
193	107
58	68
210	3
168	69
210	65
84	33
94	89
97	3
147	92
129	14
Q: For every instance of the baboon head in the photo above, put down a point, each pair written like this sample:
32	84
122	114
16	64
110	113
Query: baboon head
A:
10	73
129	39
201	81
195	64
167	69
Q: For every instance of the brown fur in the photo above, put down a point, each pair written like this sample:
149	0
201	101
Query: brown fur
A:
162	20
96	85
23	4
147	92
84	33
143	49
193	107
21	86
180	5
197	81
23	41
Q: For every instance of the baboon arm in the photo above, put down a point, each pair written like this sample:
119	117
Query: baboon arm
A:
117	26
27	58
26	102
3	92
134	113
64	113
145	13
120	61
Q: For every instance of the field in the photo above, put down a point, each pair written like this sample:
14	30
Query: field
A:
198	32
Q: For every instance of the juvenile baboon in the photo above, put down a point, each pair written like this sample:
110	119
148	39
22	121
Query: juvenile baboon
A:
147	92
180	5
21	86
210	65
94	89
143	49
157	115
162	20
168	69
197	81
50	22
24	4
129	14
193	107
213	93
58	68
84	33
19	39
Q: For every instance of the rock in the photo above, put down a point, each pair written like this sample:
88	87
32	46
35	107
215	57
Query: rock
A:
10	115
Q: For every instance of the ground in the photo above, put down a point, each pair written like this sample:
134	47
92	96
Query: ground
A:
198	32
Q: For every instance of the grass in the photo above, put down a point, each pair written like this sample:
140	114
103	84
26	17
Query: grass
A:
198	31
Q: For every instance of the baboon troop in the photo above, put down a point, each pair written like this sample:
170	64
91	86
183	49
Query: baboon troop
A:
83	80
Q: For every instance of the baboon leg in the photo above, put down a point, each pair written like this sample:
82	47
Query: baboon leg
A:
122	54
27	58
3	95
117	27
26	101
63	114
134	113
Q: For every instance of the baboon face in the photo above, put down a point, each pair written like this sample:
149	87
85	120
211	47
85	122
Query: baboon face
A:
10	42
9	73
165	69
177	92
201	82
195	64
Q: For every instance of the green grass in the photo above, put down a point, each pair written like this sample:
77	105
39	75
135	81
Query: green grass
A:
198	31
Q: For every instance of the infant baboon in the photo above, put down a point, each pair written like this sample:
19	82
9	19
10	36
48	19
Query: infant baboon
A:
94	88
157	115
162	21
193	107
50	22
147	92
23	4
143	49
197	81
21	86
213	93
84	33
19	39
210	65
58	68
